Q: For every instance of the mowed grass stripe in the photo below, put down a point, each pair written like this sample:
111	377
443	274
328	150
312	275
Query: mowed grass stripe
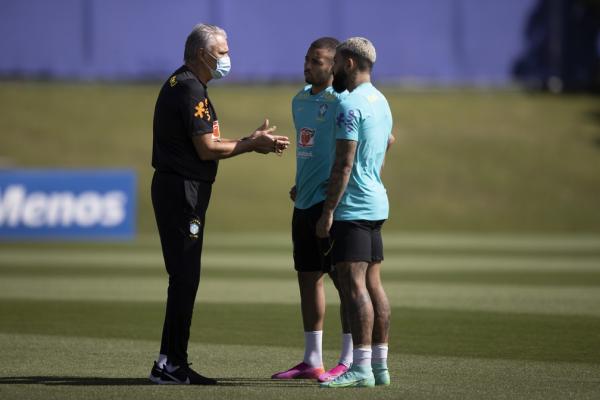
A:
478	277
273	261
144	251
429	243
499	298
414	331
445	240
266	239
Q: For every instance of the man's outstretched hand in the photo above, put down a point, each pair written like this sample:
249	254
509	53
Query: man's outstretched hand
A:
263	140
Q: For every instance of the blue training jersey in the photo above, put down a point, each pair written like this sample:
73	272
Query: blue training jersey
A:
314	120
364	116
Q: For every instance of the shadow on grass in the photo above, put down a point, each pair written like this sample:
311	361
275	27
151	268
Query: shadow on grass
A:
73	381
265	382
96	381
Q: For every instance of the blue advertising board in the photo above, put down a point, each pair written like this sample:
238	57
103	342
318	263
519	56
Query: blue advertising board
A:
67	204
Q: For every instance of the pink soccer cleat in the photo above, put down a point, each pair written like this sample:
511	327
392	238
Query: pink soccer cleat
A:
300	371
332	373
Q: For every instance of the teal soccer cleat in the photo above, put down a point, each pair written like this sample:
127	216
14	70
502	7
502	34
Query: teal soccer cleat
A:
357	376
382	375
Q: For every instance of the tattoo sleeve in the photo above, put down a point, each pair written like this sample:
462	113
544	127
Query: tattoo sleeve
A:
340	172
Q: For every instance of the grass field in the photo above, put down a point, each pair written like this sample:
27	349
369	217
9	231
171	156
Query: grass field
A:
474	316
492	252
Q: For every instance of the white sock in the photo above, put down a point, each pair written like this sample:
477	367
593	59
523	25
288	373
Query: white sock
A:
362	356
346	354
313	348
380	353
161	360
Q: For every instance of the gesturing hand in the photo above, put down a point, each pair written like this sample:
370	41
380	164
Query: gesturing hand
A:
265	142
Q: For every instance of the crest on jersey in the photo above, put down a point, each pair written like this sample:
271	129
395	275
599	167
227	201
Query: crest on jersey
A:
322	111
307	137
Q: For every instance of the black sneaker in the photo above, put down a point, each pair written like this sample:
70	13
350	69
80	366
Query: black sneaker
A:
184	375
155	373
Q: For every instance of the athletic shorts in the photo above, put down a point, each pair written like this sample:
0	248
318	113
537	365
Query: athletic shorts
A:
356	241
311	254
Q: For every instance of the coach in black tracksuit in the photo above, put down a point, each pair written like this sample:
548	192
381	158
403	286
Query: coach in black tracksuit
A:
186	147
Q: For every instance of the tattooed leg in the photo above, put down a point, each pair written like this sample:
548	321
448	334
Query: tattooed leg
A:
355	296
381	305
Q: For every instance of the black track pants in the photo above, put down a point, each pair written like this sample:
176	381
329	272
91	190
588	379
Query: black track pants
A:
180	208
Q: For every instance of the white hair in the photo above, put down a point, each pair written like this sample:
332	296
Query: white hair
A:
202	36
360	46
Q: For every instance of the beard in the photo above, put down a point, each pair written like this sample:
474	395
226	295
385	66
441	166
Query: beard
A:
308	79
340	81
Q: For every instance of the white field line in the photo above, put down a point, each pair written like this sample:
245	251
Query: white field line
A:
502	298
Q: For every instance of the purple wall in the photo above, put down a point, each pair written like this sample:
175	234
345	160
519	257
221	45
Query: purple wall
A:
429	41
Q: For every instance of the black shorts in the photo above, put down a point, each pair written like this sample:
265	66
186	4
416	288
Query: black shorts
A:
356	241
311	254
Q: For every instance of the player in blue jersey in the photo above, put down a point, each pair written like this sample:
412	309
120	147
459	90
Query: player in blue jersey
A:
355	209
313	110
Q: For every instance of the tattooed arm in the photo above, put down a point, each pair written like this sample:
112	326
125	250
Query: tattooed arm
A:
338	180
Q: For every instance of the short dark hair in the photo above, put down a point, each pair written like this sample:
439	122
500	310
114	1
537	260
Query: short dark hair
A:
325	42
362	63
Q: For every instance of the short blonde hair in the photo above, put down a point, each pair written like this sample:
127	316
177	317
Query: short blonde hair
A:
359	46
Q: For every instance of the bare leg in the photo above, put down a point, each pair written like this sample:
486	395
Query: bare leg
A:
344	317
381	305
312	303
355	296
312	300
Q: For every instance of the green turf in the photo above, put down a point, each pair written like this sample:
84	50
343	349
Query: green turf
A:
464	161
535	278
414	331
243	371
474	316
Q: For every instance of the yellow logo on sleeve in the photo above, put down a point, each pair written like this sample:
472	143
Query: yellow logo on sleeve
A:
202	110
173	81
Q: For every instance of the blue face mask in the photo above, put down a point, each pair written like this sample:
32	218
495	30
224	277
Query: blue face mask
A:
223	67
